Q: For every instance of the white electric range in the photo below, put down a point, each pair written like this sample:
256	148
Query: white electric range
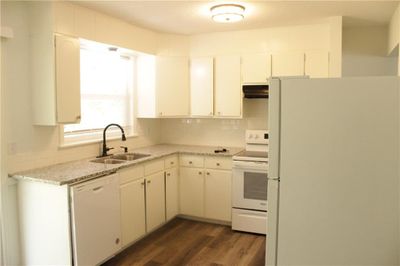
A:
249	184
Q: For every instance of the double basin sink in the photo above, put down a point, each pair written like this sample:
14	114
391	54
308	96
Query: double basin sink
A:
120	158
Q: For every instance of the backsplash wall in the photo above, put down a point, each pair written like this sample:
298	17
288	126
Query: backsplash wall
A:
216	132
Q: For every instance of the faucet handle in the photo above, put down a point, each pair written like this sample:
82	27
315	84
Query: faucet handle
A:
107	148
125	148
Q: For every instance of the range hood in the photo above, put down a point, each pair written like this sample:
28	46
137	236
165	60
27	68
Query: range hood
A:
255	91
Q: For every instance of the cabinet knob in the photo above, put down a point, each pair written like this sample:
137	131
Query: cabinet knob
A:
160	113
190	162
117	241
218	164
168	174
142	183
172	162
148	181
211	113
78	117
208	173
200	173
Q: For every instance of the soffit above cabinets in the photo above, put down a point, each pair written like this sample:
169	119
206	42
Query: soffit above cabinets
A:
193	17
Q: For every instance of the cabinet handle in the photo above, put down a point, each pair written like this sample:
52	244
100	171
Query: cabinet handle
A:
168	174
117	241
200	172
148	181
78	117
172	162
208	173
142	183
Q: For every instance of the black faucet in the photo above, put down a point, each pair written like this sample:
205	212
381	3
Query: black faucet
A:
105	149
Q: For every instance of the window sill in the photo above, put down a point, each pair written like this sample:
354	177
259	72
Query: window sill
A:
93	141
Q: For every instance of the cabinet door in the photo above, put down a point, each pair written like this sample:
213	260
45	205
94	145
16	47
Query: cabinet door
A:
201	86
317	64
218	195
172	86
256	68
192	191
228	94
155	201
133	223
288	64
68	79
171	190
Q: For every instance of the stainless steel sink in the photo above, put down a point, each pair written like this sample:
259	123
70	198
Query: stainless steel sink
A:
129	156
108	161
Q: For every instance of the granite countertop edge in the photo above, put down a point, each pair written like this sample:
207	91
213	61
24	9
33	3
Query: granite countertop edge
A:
84	170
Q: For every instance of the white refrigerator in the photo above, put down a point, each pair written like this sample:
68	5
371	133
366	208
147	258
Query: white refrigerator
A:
333	186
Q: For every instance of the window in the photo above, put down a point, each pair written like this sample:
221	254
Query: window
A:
107	81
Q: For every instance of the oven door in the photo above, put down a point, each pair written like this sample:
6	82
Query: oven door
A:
249	185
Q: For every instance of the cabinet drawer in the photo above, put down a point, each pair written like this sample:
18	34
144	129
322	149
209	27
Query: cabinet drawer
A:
171	161
192	161
153	167
218	162
130	174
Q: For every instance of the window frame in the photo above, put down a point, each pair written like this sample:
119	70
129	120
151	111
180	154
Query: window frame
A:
85	137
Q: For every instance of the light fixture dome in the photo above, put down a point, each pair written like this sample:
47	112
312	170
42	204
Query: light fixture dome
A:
226	13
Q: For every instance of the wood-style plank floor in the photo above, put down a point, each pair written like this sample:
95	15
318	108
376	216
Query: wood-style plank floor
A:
186	242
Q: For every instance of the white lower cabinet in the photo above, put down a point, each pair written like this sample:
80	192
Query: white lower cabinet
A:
155	201
206	192
171	193
133	224
218	203
192	191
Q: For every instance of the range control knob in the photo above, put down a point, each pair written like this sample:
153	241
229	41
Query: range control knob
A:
256	136
250	136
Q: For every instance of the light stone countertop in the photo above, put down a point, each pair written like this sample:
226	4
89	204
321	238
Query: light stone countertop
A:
78	171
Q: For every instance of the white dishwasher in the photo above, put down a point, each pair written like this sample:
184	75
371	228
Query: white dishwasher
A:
95	212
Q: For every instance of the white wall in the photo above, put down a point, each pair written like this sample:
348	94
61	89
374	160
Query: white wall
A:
217	132
365	52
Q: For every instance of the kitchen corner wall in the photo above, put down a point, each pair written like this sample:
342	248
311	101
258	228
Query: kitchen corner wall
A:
365	52
217	132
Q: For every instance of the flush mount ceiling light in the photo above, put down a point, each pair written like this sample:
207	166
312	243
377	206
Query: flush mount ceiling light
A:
227	13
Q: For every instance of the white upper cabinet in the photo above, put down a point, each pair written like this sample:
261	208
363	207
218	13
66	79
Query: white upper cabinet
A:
256	68
317	64
288	64
227	91
172	82
162	86
68	79
201	86
55	65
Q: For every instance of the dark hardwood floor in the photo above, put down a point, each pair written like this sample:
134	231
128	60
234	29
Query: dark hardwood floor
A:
185	242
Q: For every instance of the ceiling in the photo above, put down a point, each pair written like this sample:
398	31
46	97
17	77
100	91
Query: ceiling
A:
192	17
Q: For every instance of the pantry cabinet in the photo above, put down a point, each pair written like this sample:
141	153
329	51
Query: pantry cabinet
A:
202	86
227	91
256	68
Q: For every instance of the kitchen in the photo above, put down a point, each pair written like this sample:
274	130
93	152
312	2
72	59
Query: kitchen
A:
321	47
